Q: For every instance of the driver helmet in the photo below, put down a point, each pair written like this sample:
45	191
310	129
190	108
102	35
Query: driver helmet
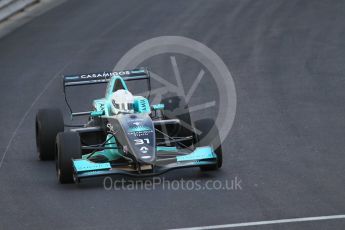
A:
122	102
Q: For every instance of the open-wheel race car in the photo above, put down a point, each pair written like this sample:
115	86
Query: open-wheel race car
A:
124	135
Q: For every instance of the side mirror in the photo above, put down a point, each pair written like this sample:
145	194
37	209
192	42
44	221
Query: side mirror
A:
97	113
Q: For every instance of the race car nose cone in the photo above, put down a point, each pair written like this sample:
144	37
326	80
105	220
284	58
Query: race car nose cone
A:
139	135
146	158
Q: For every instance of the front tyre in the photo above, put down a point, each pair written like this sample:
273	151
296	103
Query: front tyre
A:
68	147
49	122
204	139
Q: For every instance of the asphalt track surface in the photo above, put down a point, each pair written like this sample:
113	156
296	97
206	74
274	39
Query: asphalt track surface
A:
286	144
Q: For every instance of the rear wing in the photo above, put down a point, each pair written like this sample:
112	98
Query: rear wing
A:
104	77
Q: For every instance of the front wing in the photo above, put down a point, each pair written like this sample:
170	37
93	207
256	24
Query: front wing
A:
199	157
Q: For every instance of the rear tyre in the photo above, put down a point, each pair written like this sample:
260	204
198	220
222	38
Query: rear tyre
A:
203	139
68	147
49	122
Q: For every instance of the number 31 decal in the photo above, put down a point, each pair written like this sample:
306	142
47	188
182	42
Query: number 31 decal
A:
141	141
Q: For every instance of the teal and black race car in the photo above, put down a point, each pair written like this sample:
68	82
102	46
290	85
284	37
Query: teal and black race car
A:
124	135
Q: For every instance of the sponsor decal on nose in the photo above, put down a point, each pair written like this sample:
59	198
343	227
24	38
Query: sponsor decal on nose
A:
145	157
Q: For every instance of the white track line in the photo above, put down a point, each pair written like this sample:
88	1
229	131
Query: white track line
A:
59	73
26	114
293	220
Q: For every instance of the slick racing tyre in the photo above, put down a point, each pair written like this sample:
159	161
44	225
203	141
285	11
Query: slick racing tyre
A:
68	147
203	127
177	108
49	122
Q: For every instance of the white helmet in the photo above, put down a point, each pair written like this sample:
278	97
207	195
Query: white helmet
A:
122	102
